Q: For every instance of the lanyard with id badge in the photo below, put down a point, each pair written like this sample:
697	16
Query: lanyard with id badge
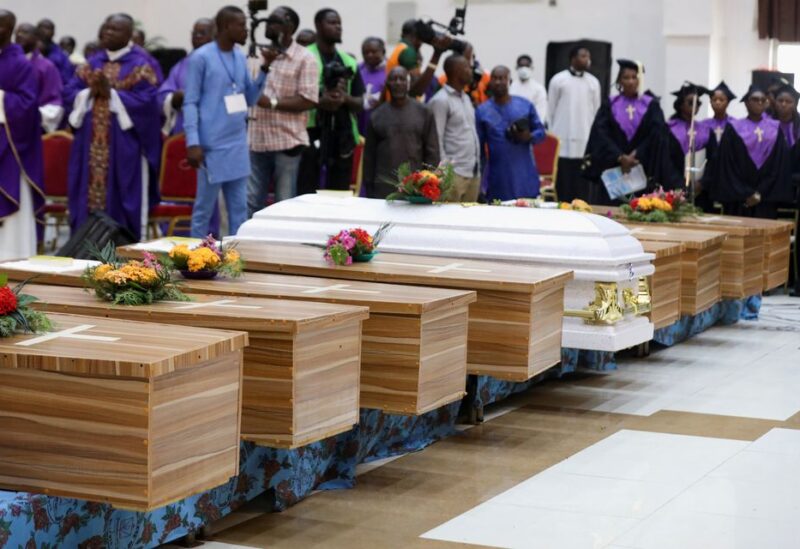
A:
235	101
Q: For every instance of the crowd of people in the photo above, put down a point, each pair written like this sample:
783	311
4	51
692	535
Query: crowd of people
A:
292	119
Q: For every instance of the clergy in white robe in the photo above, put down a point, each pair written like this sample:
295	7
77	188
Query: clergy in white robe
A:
525	86
574	99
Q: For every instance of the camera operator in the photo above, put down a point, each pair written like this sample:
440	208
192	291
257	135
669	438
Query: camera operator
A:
407	55
277	130
508	125
332	127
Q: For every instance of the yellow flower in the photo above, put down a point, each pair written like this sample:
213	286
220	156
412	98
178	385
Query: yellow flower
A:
581	206
101	271
565	206
116	277
645	204
202	259
135	272
231	256
662	205
180	251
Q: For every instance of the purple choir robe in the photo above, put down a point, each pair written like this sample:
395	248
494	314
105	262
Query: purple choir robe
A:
60	59
105	168
20	84
176	81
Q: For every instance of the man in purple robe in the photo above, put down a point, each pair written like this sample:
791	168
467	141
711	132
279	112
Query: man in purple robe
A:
170	94
139	38
51	105
46	30
116	153
21	199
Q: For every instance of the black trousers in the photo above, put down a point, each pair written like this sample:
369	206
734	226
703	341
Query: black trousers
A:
310	177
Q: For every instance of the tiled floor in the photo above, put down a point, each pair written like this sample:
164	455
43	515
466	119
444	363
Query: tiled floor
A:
697	446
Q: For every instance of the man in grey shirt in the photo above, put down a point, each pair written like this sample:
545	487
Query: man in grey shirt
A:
400	131
455	122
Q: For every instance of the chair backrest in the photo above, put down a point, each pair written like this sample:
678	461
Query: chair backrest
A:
56	148
546	154
178	180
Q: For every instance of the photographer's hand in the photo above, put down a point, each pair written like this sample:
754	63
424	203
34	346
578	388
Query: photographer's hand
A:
441	43
331	100
269	55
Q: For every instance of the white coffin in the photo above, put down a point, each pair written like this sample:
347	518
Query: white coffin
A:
596	248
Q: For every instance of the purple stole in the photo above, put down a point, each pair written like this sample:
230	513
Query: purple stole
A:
20	136
788	132
758	137
629	112
717	127
680	130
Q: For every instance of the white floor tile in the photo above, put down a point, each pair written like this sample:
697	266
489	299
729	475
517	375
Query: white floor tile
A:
500	525
655	457
585	494
761	468
675	528
778	441
757	406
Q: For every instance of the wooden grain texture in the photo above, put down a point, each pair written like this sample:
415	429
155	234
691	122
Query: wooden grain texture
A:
514	327
137	442
283	337
701	262
665	283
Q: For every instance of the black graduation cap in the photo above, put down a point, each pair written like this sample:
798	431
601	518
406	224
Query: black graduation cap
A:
751	90
688	89
723	87
628	64
788	88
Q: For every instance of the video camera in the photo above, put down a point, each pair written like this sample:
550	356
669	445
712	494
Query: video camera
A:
426	30
253	7
333	72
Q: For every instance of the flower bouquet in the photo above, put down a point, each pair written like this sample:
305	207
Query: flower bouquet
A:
354	245
16	314
131	282
658	207
207	260
423	186
576	205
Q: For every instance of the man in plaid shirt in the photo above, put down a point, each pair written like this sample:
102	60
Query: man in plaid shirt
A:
277	131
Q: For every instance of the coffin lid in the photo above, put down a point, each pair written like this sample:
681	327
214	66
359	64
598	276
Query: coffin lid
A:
127	349
565	238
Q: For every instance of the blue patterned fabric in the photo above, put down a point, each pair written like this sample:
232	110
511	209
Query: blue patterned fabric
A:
42	522
489	390
726	312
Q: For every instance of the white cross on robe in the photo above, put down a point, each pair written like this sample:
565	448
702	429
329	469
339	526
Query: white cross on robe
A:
309	289
760	133
69	333
630	110
224	303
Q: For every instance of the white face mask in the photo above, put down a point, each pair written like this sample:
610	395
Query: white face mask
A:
524	73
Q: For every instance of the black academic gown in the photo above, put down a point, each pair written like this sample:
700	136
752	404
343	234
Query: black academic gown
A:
607	142
703	199
736	178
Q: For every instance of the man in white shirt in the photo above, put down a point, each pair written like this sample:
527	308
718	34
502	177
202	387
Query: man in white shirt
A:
574	101
525	86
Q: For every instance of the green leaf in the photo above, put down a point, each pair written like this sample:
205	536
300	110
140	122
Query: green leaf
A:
3	279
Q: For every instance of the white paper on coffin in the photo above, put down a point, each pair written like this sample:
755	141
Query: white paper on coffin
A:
594	247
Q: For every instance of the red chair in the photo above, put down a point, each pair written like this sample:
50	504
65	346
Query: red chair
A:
546	155
358	165
56	147
177	182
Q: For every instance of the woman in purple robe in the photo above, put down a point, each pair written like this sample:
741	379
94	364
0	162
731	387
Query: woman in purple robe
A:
21	198
751	176
629	130
683	126
117	149
720	99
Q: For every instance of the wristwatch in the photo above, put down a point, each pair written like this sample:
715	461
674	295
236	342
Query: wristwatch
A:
273	103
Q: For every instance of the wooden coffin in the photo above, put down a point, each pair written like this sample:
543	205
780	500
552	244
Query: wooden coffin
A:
665	284
701	262
413	345
134	414
776	237
514	326
301	369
